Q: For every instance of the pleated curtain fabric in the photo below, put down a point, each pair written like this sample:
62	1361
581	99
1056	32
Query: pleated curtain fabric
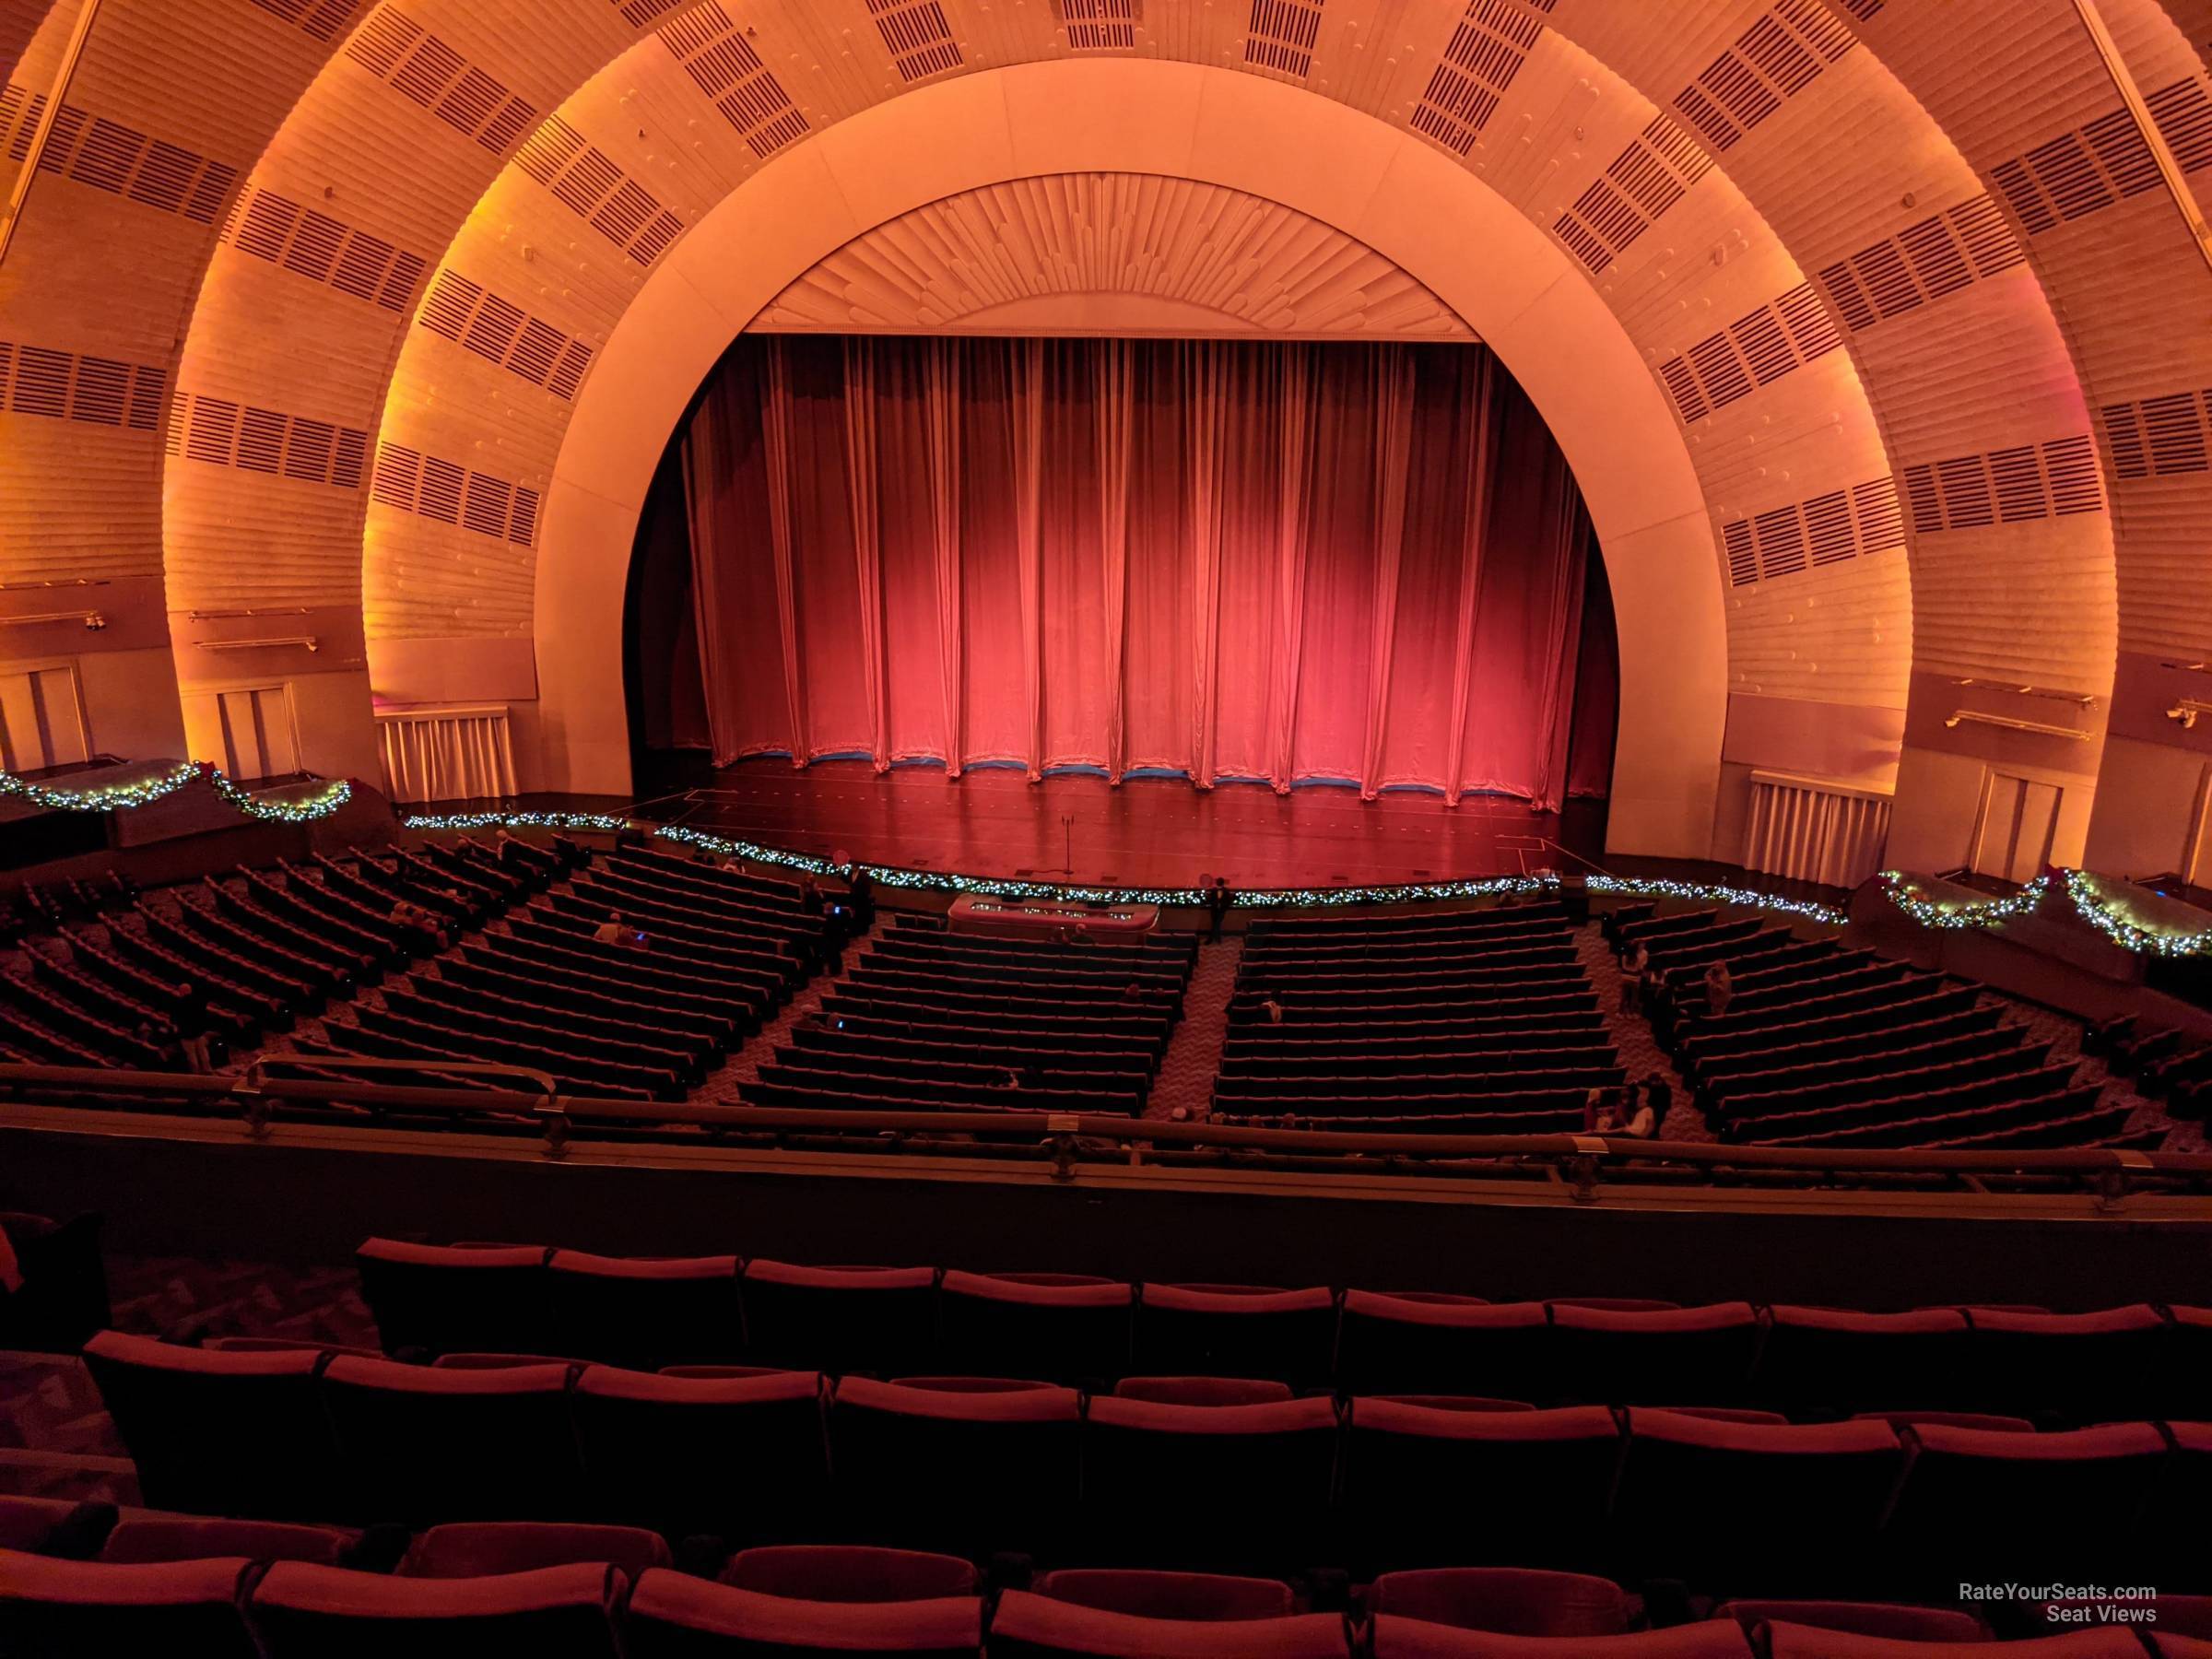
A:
1801	828
1266	561
446	754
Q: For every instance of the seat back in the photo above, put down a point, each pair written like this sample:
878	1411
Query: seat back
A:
422	1444
849	1572
239	1434
178	1538
436	1298
1893	1621
1235	1331
309	1612
2078	1368
1424	1345
1191	1595
1202	1391
741	1458
1029	1626
1070	1332
875	1321
1513	1600
58	1609
1659	1357
1782	1639
1392	1636
645	1314
1822	1361
671	1614
479	1549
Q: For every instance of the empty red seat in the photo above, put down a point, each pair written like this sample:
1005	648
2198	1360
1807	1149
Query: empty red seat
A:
52	1608
1550	1475
1060	1327
853	1572
1202	1391
1235	1331
877	1321
2081	1368
2189	1395
955	1469
480	1548
55	1526
1028	1626
1653	1357
239	1434
1824	1361
1154	1594
1512	1601
1956	1419
743	1457
1978	1504
181	1538
1392	1637
1865	1619
2175	1538
1207	1486
645	1313
308	1612
438	1296
1786	1640
421	1444
1420	1344
1775	1508
671	1614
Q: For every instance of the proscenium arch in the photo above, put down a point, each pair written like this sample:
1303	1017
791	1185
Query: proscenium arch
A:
1381	186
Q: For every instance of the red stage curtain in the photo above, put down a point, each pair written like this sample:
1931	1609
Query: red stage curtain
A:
1278	562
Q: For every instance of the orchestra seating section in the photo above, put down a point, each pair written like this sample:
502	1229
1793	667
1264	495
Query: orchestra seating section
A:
927	1018
1827	1047
1473	1021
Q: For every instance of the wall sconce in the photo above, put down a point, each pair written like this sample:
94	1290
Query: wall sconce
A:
2184	713
2036	727
2078	699
92	619
309	641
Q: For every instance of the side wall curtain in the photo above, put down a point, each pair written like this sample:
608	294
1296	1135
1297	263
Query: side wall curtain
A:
1269	563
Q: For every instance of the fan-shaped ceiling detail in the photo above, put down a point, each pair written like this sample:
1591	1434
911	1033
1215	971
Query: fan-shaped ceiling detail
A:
1110	254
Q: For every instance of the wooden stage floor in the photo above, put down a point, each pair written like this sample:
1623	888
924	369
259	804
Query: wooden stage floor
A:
1147	832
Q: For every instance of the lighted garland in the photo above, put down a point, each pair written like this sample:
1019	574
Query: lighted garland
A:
1956	916
2101	913
1701	892
115	797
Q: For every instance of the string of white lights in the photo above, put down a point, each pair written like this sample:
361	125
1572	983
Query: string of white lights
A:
120	797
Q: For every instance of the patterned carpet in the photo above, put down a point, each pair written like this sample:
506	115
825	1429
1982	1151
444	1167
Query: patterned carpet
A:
1186	1071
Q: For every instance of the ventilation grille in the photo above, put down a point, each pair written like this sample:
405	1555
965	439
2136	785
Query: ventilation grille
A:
447	491
280	231
598	192
1645	180
916	35
1280	35
1754	351
1487	51
1866	11
2160	436
323	19
222	433
62	385
1773	61
1101	25
638	13
432	75
724	65
2012	485
2085	171
501	331
1810	536
1934	258
119	160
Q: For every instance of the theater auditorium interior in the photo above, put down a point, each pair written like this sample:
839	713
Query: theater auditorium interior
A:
1169	829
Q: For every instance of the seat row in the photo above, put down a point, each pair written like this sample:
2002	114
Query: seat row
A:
976	1467
2137	1360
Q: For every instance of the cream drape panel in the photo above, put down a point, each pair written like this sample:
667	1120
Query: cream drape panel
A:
1812	830
452	754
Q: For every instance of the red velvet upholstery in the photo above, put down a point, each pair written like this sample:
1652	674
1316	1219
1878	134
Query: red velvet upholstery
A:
646	1313
1823	1359
475	1361
1395	1637
2170	1646
1028	1626
1198	1595
1557	1465
57	1609
437	1298
54	1525
872	1319
743	1457
1978	1499
1956	1419
479	1549
1653	1357
1512	1601
178	1539
1058	1327
1235	1331
1406	1344
1202	1391
973	1385
849	1572
1613	1304
671	1614
1208	1487
422	1445
1807	1641
2174	1540
956	1470
306	1612
1785	1508
1866	1618
2081	1368
200	1425
1458	1402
